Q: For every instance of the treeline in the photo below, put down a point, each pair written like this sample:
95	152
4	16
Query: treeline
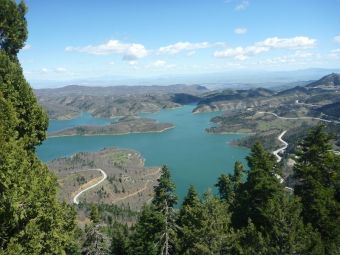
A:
253	212
32	220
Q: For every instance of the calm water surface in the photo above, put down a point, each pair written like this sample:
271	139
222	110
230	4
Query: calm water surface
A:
194	156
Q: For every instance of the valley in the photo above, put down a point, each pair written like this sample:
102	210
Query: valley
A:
186	137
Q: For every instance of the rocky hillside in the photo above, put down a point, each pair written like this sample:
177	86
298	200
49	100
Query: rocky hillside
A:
331	80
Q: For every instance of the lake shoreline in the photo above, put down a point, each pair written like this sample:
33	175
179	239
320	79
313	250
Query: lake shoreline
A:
117	134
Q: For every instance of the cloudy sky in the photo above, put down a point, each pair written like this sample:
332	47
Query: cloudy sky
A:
79	39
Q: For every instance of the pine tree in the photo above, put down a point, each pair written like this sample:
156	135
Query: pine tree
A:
229	185
120	239
155	230
189	220
268	216
317	170
94	214
164	201
145	239
248	241
95	241
32	220
261	185
13	26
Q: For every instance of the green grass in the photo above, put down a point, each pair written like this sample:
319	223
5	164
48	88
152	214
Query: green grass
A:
119	158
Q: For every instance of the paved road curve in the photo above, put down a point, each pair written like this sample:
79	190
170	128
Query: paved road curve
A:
301	118
279	158
282	149
75	199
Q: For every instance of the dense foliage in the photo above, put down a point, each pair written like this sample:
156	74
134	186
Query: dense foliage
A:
32	220
253	214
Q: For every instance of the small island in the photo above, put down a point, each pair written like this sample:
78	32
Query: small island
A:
124	125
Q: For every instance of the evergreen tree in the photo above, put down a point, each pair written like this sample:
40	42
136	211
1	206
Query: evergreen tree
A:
164	191
203	226
248	241
317	170
268	216
189	220
32	121
94	214
13	26
229	185
286	232
145	239
214	227
164	201
95	241
261	185
155	230
32	221
120	239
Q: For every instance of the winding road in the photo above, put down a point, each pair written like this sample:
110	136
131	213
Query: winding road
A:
75	198
312	105
279	158
300	118
282	149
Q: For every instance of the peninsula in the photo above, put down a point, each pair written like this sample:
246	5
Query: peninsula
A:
124	125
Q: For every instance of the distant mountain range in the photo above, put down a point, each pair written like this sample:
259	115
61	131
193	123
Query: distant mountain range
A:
240	79
69	101
121	90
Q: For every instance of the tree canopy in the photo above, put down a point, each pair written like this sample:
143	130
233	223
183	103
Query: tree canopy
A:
32	220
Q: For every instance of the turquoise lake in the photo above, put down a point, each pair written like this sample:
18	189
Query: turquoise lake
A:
193	156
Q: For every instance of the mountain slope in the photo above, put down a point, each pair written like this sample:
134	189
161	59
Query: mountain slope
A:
331	80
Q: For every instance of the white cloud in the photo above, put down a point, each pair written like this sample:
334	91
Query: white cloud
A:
60	70
242	6
130	51
240	30
132	62
112	63
161	64
184	46
337	39
299	57
242	53
278	60
27	47
303	54
135	51
288	43
335	54
191	53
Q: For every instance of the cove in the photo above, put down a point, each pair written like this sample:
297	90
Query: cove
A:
193	156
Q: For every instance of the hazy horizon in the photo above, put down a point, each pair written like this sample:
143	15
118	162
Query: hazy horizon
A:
177	41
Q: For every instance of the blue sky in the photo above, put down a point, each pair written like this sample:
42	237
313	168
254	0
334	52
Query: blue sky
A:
80	39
